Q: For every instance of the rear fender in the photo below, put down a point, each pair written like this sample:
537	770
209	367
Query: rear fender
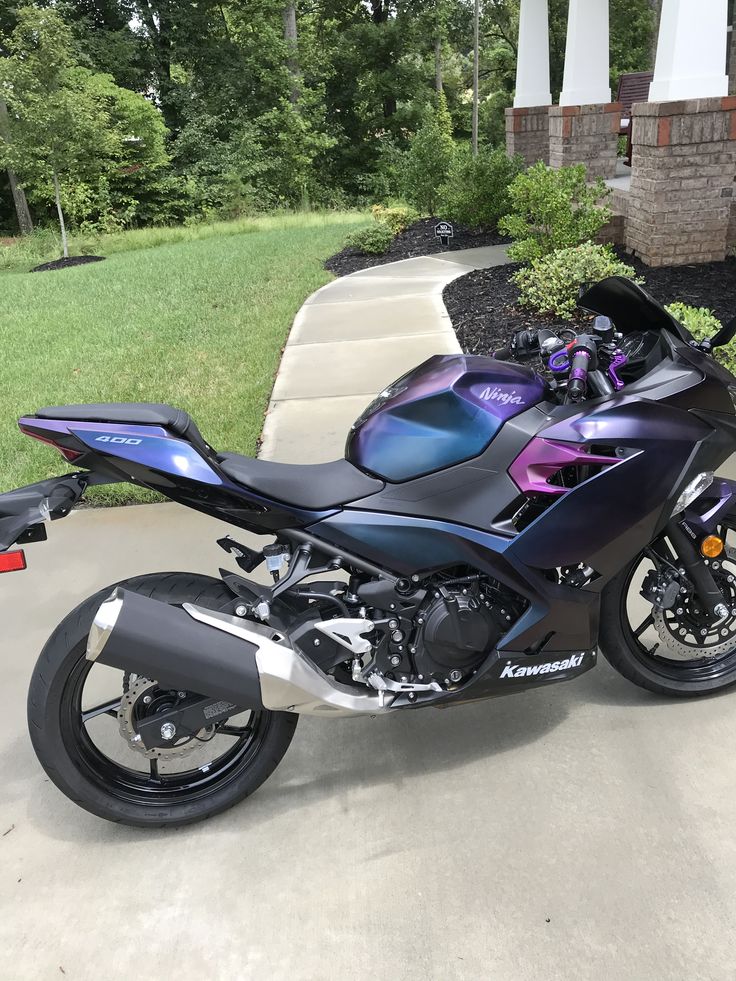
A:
23	511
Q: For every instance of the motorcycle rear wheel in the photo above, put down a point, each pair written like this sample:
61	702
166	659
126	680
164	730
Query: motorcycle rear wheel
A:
637	653
135	790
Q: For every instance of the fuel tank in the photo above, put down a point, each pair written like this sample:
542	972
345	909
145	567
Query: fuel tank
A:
444	412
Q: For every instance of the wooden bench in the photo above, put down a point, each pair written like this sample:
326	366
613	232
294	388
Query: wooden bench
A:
632	87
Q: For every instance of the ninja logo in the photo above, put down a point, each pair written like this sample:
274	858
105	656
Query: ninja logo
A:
496	394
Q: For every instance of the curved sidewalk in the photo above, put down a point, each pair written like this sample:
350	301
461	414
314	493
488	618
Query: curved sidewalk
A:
352	338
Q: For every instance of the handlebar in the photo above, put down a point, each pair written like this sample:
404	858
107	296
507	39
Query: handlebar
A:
578	360
583	358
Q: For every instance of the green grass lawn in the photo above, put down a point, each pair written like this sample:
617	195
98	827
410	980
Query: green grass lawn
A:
197	321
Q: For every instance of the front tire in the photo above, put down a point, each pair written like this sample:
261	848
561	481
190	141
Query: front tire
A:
637	653
112	789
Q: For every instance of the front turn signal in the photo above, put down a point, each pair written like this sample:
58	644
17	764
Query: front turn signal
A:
711	546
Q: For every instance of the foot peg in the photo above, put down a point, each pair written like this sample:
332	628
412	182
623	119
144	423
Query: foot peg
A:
247	558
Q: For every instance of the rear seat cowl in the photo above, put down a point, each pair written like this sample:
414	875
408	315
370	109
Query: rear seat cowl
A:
132	413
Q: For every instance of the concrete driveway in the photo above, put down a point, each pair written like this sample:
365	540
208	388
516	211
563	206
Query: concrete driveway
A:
582	831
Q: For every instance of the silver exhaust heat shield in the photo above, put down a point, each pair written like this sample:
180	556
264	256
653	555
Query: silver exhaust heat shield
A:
220	656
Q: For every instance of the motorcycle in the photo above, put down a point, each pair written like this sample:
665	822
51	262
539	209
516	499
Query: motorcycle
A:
491	525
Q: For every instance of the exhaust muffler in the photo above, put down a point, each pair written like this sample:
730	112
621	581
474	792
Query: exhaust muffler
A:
219	656
162	642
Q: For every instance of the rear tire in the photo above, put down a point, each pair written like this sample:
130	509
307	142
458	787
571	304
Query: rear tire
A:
61	754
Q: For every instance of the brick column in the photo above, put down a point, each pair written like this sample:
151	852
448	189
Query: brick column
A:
585	134
527	133
682	180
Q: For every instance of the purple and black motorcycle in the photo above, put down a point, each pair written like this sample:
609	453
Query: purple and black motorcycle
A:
488	529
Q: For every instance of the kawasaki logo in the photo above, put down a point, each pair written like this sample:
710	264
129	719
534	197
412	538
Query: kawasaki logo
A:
551	667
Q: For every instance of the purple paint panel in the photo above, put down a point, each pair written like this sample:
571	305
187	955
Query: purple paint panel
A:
543	458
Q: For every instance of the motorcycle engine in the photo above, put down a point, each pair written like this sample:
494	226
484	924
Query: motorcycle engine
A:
460	622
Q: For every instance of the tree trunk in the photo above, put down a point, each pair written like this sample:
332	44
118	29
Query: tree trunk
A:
64	242
438	64
22	211
292	57
25	222
476	60
656	6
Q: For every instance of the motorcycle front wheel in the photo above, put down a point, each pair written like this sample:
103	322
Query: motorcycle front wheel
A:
679	652
81	718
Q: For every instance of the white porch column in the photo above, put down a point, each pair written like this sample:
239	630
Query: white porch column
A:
691	51
532	63
586	79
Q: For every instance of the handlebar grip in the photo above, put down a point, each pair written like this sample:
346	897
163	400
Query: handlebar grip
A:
578	379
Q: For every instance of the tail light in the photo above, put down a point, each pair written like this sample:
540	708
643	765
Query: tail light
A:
69	455
12	561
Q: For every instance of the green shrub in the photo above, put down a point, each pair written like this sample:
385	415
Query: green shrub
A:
551	285
700	321
428	159
397	219
703	324
373	240
476	192
553	209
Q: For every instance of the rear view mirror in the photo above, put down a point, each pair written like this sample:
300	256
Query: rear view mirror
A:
723	336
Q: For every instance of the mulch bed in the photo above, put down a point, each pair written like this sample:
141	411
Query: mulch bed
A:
482	305
418	240
73	260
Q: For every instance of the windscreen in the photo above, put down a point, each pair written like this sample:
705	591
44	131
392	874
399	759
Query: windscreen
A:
630	307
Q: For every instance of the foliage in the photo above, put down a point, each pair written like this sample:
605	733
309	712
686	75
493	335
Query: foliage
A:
553	209
374	240
700	321
476	192
428	160
248	120
383	182
397	218
103	144
551	284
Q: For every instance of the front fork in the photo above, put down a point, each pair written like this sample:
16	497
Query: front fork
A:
715	508
697	571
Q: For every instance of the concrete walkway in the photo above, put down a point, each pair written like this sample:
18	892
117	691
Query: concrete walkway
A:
351	339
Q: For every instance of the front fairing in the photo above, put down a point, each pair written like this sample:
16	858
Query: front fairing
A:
675	422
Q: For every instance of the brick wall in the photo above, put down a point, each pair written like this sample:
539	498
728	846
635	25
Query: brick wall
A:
527	133
585	134
682	180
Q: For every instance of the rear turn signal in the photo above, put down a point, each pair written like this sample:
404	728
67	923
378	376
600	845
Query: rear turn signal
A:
711	546
12	561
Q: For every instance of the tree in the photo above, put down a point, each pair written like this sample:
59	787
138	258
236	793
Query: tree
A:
429	158
73	130
476	70
292	49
